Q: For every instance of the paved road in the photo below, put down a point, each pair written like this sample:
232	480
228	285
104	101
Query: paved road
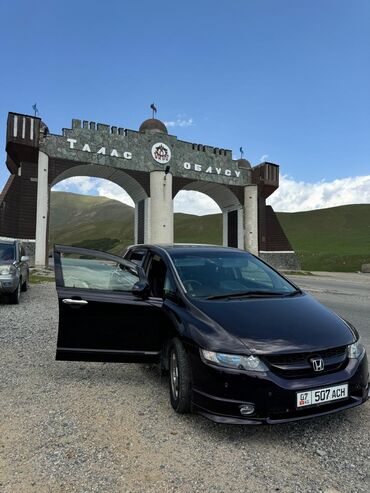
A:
345	293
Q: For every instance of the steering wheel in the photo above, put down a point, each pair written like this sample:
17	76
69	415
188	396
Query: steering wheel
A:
190	284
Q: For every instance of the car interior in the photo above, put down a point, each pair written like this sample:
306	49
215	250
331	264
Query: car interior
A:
156	276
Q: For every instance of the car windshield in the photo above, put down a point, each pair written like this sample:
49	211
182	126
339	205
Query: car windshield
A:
7	251
226	274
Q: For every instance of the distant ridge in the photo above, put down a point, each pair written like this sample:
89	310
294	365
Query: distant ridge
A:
333	239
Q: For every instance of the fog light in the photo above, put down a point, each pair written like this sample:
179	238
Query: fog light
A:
246	409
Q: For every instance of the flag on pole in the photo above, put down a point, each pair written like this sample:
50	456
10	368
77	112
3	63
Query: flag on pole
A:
241	153
34	107
153	107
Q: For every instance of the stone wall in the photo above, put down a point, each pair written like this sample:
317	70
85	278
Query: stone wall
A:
281	260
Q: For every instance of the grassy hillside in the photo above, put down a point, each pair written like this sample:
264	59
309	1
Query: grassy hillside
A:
90	222
336	239
198	229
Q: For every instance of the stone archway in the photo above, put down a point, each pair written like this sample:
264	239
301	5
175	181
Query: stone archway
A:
147	160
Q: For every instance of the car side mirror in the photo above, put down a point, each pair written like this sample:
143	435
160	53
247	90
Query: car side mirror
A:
141	289
25	258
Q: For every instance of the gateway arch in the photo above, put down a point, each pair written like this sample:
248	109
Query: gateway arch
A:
152	166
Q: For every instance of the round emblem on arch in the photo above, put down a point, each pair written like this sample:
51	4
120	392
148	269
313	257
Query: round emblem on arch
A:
161	153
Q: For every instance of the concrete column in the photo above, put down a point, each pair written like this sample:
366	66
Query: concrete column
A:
241	228
161	207
42	210
251	218
224	228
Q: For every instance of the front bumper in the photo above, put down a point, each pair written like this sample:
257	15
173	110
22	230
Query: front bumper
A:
8	284
219	393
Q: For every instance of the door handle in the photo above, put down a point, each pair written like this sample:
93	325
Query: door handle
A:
69	301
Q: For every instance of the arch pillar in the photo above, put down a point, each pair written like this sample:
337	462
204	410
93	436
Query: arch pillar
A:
42	210
251	219
224	228
160	208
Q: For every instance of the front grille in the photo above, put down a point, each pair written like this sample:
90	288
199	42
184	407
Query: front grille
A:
286	359
295	365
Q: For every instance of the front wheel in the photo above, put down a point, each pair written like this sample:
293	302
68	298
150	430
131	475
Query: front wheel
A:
180	377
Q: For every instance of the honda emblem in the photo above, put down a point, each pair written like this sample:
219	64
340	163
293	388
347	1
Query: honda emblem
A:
317	364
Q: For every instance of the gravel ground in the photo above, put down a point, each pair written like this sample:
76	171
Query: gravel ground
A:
94	427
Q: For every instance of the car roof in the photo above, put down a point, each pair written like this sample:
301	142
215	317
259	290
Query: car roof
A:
188	247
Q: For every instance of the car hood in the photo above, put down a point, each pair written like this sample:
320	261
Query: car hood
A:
279	325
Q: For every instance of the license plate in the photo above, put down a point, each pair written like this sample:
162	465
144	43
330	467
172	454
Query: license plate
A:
321	396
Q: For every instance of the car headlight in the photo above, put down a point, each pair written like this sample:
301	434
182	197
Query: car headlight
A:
238	362
355	350
5	270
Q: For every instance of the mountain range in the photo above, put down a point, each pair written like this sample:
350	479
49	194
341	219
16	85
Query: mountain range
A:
334	239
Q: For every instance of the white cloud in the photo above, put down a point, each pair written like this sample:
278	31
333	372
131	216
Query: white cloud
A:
86	185
77	184
197	203
294	195
113	191
179	122
264	158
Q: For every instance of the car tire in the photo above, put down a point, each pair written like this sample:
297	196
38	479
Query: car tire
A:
14	298
180	377
25	284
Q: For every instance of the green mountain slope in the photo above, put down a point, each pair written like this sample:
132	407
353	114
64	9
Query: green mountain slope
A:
336	239
91	222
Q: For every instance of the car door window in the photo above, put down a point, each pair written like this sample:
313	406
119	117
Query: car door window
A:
94	271
23	252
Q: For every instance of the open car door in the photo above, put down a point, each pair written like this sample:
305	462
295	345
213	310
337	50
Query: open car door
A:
104	314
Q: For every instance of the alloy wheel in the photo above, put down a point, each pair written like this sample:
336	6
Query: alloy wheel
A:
174	375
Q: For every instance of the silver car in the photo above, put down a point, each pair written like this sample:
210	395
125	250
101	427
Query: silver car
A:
14	269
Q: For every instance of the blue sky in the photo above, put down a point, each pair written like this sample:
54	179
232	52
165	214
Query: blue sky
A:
287	79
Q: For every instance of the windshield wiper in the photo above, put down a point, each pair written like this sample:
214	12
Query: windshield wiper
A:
245	294
293	293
